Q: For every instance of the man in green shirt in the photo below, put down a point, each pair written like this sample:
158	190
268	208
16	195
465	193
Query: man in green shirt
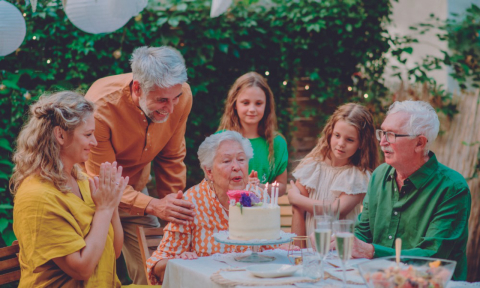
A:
412	196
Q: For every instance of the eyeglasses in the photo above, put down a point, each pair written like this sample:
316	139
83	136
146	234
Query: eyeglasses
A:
390	136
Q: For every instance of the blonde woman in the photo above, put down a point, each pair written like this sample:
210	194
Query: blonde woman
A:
250	110
67	225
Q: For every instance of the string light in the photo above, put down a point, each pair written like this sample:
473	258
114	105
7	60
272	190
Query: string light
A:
48	61
27	95
117	54
349	88
24	14
285	83
34	37
365	96
267	73
2	86
307	87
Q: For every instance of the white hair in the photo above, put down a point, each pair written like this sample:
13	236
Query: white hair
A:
208	149
423	119
161	66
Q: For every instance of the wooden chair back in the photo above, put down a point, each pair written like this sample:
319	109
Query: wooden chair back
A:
9	265
148	239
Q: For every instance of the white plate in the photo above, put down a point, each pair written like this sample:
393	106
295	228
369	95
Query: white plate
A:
272	270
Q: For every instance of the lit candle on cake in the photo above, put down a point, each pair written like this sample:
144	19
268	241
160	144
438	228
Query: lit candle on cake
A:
272	201
276	194
265	193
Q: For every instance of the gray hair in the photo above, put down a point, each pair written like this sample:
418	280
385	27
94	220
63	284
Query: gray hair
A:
423	119
208	148
161	66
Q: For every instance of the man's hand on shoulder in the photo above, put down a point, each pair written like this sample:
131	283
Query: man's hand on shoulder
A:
362	249
172	208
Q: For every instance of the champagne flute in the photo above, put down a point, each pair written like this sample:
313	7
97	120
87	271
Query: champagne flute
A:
323	232
344	240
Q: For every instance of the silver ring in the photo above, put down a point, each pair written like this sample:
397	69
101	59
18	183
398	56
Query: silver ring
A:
116	183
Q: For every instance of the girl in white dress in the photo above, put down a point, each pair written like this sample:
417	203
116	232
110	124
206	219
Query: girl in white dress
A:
337	169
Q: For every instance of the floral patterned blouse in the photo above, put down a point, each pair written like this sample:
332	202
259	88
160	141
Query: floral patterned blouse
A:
197	235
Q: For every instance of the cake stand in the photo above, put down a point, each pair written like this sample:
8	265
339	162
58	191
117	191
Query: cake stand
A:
254	257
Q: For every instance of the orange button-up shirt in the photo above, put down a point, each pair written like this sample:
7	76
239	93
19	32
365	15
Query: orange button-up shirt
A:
125	135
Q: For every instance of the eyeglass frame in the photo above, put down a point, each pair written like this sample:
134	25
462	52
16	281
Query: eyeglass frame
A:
394	134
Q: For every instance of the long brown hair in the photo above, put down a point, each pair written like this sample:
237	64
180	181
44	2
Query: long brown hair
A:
267	127
366	157
38	152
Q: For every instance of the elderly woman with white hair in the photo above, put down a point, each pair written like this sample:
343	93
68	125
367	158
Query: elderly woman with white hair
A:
224	159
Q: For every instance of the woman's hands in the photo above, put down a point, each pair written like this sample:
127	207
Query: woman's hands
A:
293	193
187	255
253	178
107	188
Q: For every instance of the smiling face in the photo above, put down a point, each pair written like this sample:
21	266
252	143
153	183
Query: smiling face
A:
250	106
344	143
77	145
230	167
159	103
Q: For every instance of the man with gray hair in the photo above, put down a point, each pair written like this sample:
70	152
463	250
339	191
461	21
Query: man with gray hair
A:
412	196
141	118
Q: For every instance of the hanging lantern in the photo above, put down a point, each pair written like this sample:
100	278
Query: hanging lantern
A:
102	16
219	7
12	28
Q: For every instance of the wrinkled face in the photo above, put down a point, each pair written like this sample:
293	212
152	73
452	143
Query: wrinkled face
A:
344	142
400	153
250	105
158	104
77	145
230	167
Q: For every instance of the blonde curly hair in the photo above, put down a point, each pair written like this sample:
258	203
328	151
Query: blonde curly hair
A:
38	152
267	127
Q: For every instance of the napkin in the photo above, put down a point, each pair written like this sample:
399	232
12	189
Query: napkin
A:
353	275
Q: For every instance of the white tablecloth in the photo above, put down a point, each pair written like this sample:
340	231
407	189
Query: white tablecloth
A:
196	273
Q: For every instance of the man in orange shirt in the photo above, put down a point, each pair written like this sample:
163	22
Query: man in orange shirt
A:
141	118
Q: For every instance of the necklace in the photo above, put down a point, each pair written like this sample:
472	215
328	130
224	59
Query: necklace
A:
216	196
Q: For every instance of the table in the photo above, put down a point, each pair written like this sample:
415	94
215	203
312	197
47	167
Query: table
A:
196	273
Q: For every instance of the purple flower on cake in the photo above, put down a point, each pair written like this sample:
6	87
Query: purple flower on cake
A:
245	200
254	198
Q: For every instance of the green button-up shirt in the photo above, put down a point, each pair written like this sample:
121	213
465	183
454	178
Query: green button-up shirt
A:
429	213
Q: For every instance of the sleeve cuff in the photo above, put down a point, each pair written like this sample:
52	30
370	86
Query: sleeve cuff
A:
141	203
382	251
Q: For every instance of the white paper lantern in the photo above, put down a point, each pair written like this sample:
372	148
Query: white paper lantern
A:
219	7
102	16
12	28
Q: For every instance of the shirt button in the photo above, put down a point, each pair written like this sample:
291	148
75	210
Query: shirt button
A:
145	149
146	121
395	212
395	188
141	113
390	237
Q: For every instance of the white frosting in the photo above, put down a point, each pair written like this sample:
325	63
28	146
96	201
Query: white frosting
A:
254	223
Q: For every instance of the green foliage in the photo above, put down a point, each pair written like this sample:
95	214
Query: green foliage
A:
327	41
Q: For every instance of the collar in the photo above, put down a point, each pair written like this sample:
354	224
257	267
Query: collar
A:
422	175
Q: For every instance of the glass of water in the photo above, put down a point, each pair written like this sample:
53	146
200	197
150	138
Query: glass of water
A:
343	230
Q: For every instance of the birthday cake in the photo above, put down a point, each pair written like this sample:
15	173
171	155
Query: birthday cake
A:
248	220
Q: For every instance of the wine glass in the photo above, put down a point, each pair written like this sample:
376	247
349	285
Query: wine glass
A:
343	230
323	232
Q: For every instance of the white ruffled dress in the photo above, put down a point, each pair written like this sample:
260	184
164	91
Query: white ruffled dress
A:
324	182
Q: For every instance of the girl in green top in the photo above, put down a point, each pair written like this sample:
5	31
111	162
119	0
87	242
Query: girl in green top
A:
250	110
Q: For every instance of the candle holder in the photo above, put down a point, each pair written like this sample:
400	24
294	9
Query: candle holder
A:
299	246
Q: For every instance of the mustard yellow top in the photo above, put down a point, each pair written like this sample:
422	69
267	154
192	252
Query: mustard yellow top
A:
51	224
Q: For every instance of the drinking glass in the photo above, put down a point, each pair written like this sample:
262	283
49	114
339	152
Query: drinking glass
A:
299	245
332	208
343	230
323	232
311	263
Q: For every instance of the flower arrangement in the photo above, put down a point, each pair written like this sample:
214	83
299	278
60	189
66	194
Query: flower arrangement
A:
242	198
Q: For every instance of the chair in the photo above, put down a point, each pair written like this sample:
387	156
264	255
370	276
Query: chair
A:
9	265
148	239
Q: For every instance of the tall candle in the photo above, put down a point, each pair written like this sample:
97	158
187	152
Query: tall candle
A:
276	194
272	200
265	193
